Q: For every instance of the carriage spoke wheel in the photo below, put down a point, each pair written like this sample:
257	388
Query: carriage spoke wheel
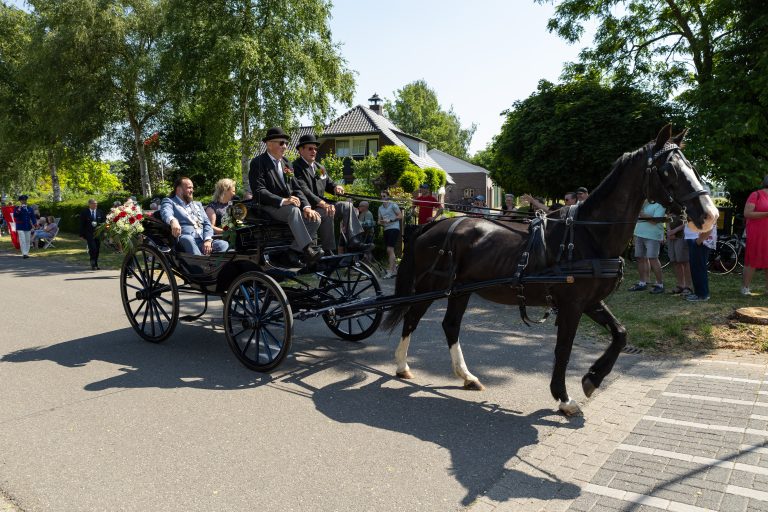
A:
150	295
347	284
258	321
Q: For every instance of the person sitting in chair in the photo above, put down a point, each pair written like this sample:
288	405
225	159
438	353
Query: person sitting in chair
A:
278	193
50	230
188	221
315	182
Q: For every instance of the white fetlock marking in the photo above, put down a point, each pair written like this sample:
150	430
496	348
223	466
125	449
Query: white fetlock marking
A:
401	354
459	366
570	407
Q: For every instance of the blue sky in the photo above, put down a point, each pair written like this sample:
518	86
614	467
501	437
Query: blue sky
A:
479	56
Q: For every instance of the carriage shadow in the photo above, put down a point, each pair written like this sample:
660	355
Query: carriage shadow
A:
480	437
197	358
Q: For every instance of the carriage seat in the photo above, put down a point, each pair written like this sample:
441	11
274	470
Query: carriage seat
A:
261	231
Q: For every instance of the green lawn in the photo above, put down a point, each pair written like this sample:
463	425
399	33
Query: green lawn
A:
669	323
663	323
68	248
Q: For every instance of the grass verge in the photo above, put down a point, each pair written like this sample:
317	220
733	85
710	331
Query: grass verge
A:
68	248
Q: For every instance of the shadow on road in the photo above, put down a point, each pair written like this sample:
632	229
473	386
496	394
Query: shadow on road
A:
481	437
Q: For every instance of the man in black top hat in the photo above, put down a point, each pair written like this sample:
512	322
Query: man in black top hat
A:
582	194
315	182
278	193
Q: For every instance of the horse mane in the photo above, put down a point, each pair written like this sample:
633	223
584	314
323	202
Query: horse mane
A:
600	192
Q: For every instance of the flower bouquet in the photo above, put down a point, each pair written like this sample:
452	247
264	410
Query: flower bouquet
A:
231	220
123	227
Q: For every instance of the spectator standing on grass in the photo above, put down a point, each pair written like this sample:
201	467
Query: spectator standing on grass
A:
25	219
756	255
699	245
677	249
389	218
649	233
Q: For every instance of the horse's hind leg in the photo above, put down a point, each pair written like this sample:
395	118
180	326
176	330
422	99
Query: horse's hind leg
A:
603	366
567	323
451	326
410	321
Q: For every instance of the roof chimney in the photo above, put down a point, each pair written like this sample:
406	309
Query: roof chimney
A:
375	104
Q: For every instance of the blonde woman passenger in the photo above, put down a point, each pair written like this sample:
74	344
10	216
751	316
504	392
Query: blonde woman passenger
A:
223	193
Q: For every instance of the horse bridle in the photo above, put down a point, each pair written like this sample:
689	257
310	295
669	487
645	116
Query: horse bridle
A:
662	172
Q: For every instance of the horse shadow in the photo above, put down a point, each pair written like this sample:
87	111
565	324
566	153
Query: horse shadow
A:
480	437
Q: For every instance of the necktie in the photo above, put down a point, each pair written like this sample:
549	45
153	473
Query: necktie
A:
93	214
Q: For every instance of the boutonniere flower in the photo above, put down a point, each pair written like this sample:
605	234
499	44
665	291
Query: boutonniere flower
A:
288	173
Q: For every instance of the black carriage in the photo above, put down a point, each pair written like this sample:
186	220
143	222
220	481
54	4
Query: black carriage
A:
262	295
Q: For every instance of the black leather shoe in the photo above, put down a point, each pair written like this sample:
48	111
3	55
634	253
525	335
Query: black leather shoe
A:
357	244
312	254
294	259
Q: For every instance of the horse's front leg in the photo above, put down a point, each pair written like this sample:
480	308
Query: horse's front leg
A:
567	323
410	322
603	366
451	326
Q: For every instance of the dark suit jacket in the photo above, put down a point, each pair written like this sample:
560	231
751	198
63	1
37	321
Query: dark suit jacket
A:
269	188
314	187
86	228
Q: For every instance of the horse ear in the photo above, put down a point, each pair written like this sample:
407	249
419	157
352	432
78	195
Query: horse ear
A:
678	139
663	136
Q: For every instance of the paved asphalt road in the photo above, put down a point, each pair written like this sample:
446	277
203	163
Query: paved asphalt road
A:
93	418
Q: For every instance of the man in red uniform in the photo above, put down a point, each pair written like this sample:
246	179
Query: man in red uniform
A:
426	203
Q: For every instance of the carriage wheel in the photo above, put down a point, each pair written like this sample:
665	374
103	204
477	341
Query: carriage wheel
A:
150	295
258	321
347	284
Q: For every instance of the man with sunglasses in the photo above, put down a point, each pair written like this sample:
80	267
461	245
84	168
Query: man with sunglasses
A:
278	193
315	182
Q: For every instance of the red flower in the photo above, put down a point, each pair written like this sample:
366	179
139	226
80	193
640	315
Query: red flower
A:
226	228
132	220
122	215
139	216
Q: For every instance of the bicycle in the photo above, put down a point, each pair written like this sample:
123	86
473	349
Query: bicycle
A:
724	258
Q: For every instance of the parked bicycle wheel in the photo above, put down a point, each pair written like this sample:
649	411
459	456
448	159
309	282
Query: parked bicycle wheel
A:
723	259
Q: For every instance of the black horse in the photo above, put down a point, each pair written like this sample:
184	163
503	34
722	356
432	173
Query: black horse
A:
454	252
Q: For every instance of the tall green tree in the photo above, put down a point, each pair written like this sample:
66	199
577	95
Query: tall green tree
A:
710	53
667	44
566	136
259	63
416	111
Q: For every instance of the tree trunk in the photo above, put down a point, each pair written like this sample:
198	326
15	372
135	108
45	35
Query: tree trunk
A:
146	187
245	147
55	184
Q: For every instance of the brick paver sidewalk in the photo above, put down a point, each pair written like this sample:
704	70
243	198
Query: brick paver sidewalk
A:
685	437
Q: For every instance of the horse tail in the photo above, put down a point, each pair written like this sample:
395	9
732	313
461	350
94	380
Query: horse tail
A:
404	284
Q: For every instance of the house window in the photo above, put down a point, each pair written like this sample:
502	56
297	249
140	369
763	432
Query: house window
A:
469	192
358	147
373	147
422	149
342	148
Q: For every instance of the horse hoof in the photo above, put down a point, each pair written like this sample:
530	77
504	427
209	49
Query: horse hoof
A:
404	374
570	408
473	385
587	386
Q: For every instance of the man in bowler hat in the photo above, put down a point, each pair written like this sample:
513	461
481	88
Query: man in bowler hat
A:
25	219
315	182
278	193
89	219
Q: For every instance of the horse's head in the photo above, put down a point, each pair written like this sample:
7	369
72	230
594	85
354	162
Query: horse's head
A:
672	181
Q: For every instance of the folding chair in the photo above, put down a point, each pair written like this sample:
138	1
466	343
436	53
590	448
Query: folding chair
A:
48	242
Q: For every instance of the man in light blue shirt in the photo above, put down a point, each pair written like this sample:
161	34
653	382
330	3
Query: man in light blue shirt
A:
649	233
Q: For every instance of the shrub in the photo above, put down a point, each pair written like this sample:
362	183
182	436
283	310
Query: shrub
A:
409	181
334	165
366	170
393	161
434	178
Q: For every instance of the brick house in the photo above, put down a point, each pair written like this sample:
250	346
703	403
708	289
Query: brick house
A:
469	180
